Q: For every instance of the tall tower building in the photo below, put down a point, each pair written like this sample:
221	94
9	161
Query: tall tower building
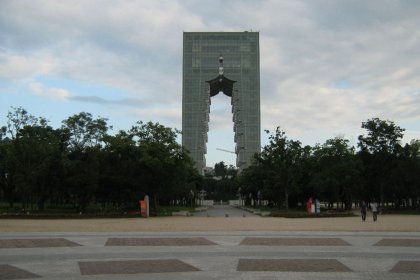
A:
221	63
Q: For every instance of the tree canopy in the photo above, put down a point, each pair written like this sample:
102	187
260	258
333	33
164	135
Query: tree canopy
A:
382	170
81	163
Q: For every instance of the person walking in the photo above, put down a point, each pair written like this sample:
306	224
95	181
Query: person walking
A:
363	209
374	208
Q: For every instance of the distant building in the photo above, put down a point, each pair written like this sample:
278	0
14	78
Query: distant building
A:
227	62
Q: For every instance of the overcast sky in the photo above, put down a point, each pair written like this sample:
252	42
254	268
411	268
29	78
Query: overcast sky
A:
326	66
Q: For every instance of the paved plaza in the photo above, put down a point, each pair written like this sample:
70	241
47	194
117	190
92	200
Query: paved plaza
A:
210	254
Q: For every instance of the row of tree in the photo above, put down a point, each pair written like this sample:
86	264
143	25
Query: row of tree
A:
80	163
382	169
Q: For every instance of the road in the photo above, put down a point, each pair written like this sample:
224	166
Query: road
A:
210	255
223	211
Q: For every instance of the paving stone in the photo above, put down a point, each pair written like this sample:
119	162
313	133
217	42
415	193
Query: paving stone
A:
134	267
294	241
36	243
398	242
158	241
11	272
407	267
292	265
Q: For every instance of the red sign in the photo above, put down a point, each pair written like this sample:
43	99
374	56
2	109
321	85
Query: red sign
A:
143	208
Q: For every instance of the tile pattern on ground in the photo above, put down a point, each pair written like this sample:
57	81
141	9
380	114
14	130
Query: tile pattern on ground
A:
292	265
11	272
158	241
398	242
407	267
292	241
134	266
36	243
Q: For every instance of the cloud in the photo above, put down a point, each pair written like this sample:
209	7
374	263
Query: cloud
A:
326	66
376	56
61	94
129	45
15	67
169	116
131	102
50	93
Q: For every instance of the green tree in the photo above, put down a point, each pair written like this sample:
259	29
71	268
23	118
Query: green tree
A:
220	169
28	158
282	160
4	171
379	150
84	131
251	181
119	176
85	136
405	175
36	164
336	172
165	167
18	118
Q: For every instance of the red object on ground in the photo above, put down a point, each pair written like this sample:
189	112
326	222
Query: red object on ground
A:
143	208
309	206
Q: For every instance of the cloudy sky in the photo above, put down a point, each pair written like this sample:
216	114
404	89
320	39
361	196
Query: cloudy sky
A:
326	66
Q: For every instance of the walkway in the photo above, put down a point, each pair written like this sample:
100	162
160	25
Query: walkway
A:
224	211
205	255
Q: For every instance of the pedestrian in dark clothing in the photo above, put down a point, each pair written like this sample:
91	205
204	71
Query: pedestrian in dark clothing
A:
363	210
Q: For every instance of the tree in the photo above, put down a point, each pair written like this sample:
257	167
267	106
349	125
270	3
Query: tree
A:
220	169
5	190
383	137
119	176
335	172
28	158
166	168
84	131
251	181
36	164
84	138
18	118
405	176
282	160
379	150
80	163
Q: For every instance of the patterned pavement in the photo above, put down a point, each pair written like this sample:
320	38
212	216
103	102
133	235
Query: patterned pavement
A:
293	265
210	255
36	243
293	241
407	267
396	242
197	241
134	267
11	272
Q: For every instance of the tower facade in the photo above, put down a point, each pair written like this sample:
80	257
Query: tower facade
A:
228	63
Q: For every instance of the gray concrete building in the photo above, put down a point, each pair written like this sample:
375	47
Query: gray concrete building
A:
221	63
